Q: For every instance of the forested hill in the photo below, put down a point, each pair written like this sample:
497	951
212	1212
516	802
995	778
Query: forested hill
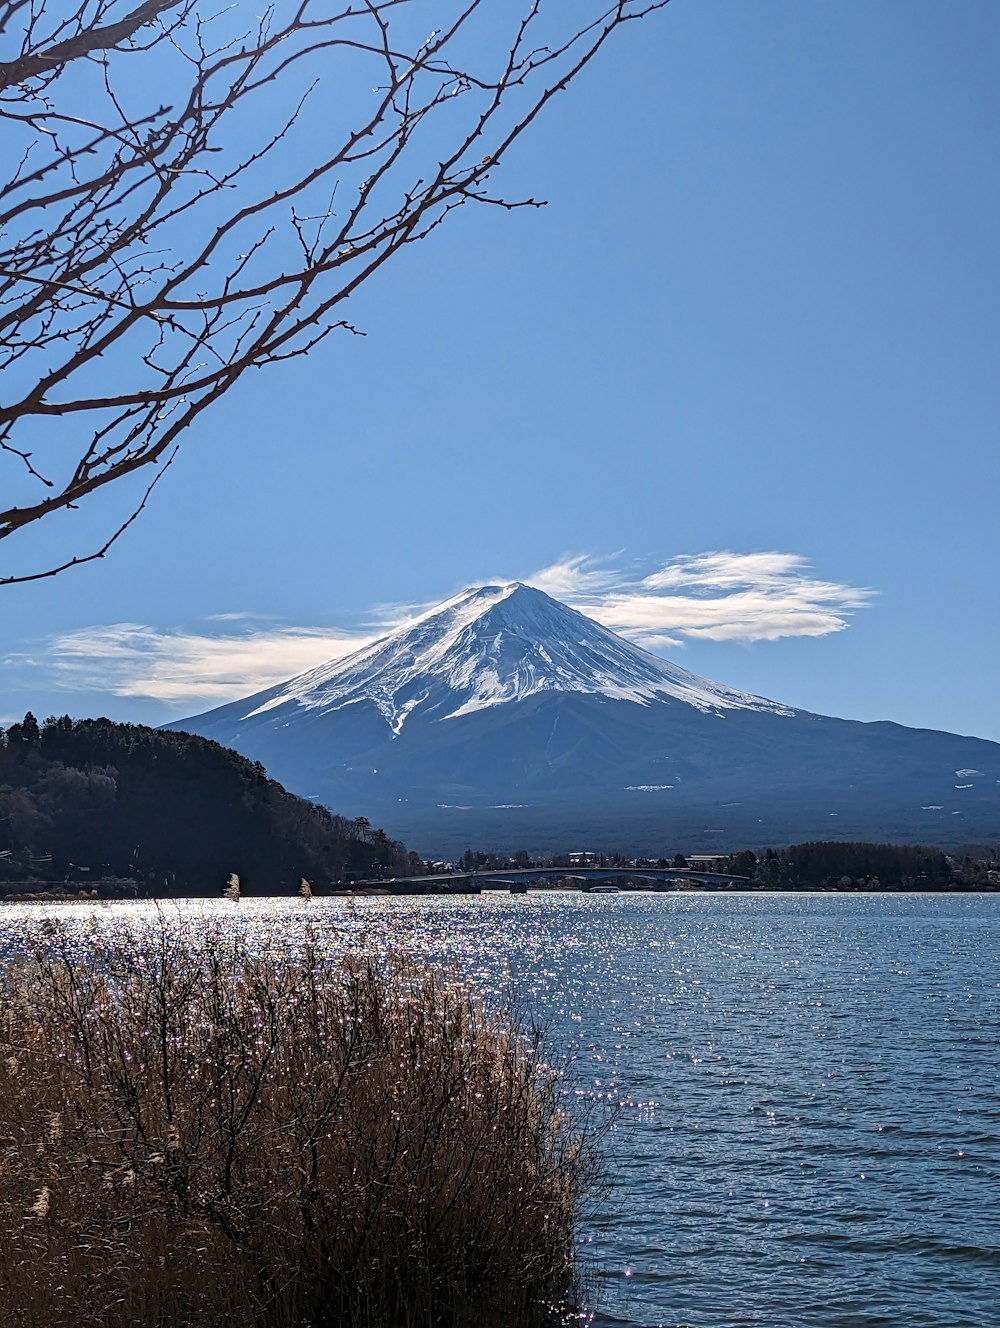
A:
90	799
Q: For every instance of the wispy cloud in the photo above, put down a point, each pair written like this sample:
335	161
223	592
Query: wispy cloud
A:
130	659
720	596
581	576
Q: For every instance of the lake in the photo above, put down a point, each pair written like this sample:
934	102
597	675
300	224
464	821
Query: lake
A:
810	1135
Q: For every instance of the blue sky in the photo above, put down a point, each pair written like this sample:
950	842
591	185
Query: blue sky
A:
743	365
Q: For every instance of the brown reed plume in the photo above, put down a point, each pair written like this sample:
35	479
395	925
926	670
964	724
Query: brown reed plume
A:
200	1134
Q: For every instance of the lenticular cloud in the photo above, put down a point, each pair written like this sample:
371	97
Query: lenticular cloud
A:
721	596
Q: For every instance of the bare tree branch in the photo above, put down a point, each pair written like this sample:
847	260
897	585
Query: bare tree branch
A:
83	42
156	243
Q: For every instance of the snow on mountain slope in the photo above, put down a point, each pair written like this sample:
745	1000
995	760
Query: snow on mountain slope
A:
492	645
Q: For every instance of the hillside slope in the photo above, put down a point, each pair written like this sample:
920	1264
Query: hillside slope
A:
174	812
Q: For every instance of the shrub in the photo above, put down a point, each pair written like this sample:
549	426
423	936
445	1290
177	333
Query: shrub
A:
197	1133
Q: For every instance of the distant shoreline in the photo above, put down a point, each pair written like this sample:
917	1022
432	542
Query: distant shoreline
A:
385	891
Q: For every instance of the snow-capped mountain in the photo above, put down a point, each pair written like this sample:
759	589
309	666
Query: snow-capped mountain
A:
504	718
490	646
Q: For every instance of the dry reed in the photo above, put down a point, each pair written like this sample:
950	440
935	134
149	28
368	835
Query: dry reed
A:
197	1134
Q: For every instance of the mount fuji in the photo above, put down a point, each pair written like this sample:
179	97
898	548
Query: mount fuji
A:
503	718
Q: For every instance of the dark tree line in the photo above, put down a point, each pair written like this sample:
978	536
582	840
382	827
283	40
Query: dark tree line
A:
832	865
175	813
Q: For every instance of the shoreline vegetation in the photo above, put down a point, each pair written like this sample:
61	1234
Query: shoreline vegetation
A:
199	1133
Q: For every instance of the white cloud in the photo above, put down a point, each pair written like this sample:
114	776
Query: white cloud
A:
129	659
720	596
578	575
240	615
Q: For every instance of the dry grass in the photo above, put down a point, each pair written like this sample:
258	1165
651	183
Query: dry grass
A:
197	1135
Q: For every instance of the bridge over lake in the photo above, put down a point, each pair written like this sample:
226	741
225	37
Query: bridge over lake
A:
519	879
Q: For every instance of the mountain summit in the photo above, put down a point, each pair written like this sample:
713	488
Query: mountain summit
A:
490	646
503	718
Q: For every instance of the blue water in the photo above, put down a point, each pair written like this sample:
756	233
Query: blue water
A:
810	1135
